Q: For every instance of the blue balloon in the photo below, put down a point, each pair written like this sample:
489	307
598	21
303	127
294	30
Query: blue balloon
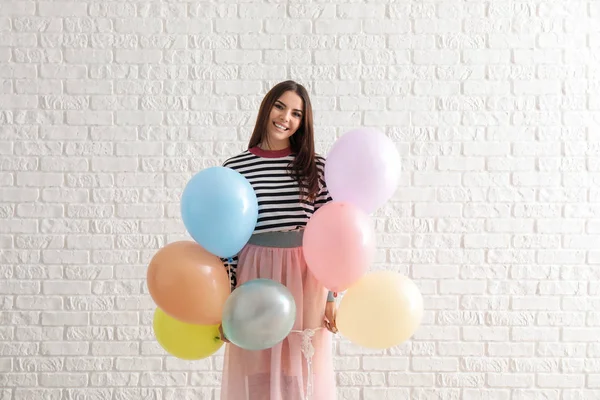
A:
219	209
258	314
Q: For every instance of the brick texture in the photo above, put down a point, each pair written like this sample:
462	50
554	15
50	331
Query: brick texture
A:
107	108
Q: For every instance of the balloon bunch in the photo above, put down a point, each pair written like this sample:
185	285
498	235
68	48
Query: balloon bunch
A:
187	279
379	309
192	289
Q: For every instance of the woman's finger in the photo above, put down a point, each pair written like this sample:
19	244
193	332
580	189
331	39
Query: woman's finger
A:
223	338
330	327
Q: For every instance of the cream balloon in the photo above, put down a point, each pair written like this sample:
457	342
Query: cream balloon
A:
381	310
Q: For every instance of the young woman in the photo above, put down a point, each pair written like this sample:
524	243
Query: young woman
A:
287	176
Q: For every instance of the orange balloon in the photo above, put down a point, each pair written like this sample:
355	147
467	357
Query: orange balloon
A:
188	283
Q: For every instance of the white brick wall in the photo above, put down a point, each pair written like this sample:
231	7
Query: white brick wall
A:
108	107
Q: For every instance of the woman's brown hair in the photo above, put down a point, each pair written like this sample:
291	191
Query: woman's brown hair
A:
304	166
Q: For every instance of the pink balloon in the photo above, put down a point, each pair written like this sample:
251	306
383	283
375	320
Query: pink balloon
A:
363	168
339	245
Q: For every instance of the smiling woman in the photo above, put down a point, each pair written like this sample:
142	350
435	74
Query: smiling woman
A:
287	176
288	105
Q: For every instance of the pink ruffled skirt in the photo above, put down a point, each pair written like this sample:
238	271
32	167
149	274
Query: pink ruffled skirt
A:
301	366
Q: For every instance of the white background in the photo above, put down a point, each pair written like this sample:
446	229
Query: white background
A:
108	107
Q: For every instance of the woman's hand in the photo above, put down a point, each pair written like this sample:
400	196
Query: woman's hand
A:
330	311
223	338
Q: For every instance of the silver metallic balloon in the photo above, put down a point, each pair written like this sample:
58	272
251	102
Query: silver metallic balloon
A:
259	314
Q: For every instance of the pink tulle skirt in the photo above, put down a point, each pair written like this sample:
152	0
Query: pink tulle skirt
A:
301	366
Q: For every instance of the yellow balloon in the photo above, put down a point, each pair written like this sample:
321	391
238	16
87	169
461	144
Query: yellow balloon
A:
183	340
381	310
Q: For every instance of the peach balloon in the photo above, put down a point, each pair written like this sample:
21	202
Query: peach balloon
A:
382	310
339	245
188	283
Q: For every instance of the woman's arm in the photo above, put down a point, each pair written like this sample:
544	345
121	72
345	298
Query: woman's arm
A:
230	265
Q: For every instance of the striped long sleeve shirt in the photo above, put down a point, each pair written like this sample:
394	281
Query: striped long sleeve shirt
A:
279	205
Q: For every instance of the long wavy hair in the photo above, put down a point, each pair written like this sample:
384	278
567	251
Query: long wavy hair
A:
304	166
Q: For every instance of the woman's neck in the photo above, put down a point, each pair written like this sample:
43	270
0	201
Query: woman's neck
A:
277	146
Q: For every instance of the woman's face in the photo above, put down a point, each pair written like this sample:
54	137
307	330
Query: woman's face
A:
284	120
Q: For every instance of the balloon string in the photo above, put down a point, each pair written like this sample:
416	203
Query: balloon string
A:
308	350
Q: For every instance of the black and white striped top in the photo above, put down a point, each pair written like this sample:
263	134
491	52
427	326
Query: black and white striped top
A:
279	205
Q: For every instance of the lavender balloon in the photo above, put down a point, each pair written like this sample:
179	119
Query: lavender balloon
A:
259	314
363	168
